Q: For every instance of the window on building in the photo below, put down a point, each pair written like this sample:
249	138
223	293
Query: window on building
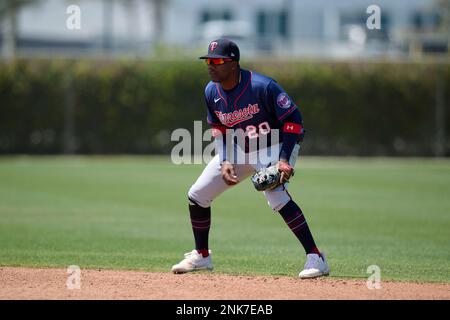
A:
272	24
205	17
209	15
262	24
227	15
426	20
283	24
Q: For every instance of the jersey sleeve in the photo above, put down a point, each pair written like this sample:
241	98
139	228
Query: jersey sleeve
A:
218	129
279	101
211	117
288	114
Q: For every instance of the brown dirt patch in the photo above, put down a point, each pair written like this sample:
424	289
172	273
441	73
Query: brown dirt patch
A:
31	283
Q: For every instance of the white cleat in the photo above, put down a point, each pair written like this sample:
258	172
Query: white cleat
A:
315	266
193	261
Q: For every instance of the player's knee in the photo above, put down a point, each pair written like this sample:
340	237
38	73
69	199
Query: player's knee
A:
277	199
196	197
277	205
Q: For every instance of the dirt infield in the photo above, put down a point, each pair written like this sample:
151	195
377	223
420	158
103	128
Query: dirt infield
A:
30	283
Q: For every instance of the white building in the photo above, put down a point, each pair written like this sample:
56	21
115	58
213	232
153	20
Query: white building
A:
289	28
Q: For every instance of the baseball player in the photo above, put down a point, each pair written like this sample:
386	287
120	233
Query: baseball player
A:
238	99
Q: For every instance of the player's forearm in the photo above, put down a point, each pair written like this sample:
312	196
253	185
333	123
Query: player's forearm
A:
289	141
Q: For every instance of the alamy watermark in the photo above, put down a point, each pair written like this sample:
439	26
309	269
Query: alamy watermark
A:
374	280
73	22
249	145
374	20
74	278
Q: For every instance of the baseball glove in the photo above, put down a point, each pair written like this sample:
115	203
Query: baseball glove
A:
271	177
266	178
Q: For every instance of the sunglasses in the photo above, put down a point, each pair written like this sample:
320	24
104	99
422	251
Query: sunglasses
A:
217	61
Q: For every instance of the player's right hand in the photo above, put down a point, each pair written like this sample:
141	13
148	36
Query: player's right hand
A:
228	174
286	170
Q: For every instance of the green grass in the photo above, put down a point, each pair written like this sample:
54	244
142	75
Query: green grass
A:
131	213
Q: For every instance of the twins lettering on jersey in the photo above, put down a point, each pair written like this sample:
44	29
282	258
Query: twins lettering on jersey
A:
232	118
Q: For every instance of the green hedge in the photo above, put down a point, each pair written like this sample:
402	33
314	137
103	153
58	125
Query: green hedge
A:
132	107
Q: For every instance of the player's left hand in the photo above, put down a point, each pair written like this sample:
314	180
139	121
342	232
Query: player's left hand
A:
286	171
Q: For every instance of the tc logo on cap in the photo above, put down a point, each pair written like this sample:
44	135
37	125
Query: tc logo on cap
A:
213	45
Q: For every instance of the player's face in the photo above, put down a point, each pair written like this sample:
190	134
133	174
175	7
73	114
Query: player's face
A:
220	70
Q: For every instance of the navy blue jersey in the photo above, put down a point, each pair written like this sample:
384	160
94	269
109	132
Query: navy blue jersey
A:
257	105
